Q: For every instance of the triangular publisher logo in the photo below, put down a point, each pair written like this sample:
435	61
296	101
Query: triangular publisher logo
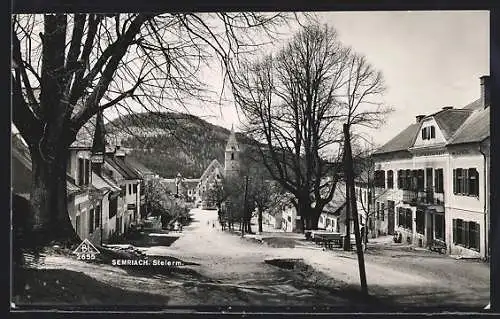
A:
86	247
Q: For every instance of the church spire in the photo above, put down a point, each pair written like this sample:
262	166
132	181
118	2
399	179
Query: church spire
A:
232	144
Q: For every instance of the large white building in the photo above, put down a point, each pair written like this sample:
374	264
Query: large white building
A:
433	178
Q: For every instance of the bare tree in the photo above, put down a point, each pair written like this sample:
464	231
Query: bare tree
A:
289	104
295	104
66	68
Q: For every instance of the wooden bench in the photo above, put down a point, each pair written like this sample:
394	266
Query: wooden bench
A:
328	239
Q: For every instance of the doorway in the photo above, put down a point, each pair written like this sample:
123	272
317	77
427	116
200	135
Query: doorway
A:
390	216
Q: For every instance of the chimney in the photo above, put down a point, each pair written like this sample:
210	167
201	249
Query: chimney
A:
485	91
447	108
419	118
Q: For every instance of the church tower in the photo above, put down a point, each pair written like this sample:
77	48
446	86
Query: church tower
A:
232	156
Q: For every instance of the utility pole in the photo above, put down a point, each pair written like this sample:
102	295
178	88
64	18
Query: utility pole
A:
352	199
244	207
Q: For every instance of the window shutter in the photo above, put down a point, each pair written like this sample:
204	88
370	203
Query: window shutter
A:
465	175
433	132
466	234
423	133
454	231
454	181
478	233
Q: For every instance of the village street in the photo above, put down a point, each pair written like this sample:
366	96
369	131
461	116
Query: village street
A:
231	270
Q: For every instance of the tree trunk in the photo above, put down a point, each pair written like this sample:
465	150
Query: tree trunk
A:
352	199
51	222
259	218
314	218
303	212
347	238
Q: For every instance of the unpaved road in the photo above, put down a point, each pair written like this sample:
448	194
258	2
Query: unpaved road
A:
231	270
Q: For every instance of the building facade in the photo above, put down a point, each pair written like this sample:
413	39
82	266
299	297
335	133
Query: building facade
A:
434	177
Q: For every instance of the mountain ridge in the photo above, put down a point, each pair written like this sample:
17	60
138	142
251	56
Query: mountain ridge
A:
170	143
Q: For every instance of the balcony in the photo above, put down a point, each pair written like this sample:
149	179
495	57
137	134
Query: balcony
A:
423	198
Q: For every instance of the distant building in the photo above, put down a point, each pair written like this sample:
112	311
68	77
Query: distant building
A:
214	173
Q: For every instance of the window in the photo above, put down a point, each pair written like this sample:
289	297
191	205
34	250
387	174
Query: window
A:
466	234
420	221
327	220
428	132
390	179
420	180
321	219
401	217
382	211
379	179
129	189
134	189
87	171
473	182
408	219
81	171
113	207
232	156
400	179
377	211
466	182
439	226
97	216
91	221
407	185
438	180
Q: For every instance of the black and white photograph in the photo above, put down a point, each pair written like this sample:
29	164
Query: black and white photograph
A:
334	161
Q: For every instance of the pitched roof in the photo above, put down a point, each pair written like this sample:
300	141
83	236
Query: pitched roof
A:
138	167
475	129
450	120
214	163
120	165
400	142
232	144
476	105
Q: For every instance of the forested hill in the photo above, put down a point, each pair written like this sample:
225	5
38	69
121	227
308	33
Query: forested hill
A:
168	143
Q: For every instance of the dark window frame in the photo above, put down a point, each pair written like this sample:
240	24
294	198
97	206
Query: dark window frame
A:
420	221
382	211
439	180
390	179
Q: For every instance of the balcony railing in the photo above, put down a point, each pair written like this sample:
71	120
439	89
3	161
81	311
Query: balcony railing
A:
425	197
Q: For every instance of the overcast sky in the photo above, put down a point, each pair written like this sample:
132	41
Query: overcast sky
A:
429	60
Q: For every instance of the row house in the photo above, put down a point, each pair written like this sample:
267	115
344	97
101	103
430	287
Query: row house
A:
130	183
432	179
110	203
146	176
